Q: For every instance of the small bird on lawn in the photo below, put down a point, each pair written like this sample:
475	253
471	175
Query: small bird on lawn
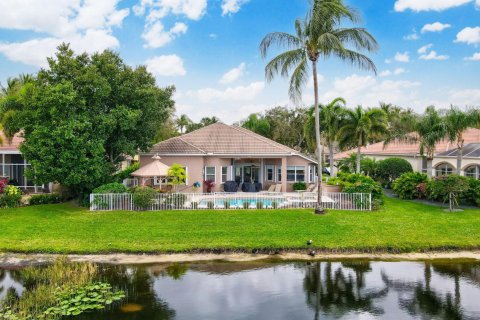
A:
312	253
309	242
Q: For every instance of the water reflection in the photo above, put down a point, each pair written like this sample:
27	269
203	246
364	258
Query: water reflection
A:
269	290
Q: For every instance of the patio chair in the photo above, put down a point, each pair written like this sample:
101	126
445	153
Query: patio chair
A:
271	188
278	188
310	188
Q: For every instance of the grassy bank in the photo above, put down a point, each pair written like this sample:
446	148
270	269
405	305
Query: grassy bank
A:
399	227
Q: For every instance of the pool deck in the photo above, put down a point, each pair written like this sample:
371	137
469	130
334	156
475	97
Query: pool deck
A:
15	259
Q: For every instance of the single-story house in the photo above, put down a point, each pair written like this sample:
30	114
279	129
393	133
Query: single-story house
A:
13	165
221	153
444	161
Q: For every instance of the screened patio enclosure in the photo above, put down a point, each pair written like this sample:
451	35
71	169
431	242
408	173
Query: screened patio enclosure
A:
12	168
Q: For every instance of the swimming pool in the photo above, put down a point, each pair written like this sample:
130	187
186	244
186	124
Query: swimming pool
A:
242	203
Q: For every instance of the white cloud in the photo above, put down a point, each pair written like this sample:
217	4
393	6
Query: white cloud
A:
368	91
86	25
166	66
239	93
396	72
402	57
469	36
60	18
413	36
158	9
388	61
465	97
474	57
427	54
234	74
232	6
424	49
385	73
213	36
435	27
428	5
432	55
156	36
35	52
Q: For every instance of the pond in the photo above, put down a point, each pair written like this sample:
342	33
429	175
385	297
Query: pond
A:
350	289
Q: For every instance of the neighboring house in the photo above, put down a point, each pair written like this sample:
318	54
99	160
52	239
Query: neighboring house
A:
221	153
444	162
13	165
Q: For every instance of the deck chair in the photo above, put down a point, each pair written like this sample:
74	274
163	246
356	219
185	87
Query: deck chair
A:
310	188
271	188
278	188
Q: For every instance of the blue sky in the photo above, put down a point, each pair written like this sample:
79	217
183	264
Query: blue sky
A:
429	49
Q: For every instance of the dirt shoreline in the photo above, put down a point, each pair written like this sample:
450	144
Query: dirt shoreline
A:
17	259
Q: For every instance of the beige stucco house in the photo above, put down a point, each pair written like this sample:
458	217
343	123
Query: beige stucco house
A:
444	161
222	152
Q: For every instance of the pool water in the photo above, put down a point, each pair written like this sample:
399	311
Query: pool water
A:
354	289
239	203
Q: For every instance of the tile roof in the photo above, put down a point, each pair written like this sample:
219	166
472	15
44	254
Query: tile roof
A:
220	138
10	146
470	135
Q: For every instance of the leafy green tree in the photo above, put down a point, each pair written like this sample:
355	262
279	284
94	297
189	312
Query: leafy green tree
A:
84	113
176	175
391	168
320	35
258	124
359	127
206	121
331	117
286	126
448	188
430	129
456	122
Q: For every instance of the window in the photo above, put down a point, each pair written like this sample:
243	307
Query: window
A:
295	173
279	174
424	164
473	172
312	173
443	169
210	174
224	174
269	173
157	181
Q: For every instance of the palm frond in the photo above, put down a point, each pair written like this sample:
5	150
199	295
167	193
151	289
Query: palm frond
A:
280	40
360	38
357	59
298	80
283	63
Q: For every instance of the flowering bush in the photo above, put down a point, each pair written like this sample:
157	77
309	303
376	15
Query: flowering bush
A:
209	184
3	184
11	197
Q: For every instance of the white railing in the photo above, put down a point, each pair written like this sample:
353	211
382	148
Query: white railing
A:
230	201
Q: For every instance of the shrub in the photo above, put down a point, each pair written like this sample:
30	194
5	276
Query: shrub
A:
472	196
209	184
410	185
390	169
124	174
359	183
176	199
113	187
259	205
299	186
11	197
48	198
274	204
144	197
226	204
3	184
448	188
245	205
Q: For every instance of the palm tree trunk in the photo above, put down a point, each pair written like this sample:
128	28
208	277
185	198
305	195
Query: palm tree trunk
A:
319	208
333	173
459	159
359	155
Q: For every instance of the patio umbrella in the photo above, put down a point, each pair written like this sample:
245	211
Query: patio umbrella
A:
156	168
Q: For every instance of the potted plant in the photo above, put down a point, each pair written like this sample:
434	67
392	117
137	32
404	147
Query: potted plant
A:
209	185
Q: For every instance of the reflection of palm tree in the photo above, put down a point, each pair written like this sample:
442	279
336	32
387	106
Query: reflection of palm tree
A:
424	301
337	293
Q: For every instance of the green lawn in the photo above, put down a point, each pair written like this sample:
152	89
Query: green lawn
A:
399	226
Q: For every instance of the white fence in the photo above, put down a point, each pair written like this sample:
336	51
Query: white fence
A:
231	201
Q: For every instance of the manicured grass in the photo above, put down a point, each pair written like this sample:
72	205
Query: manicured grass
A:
400	226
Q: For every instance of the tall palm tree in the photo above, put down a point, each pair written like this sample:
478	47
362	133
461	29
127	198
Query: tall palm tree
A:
456	122
331	117
360	127
182	122
430	129
320	35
